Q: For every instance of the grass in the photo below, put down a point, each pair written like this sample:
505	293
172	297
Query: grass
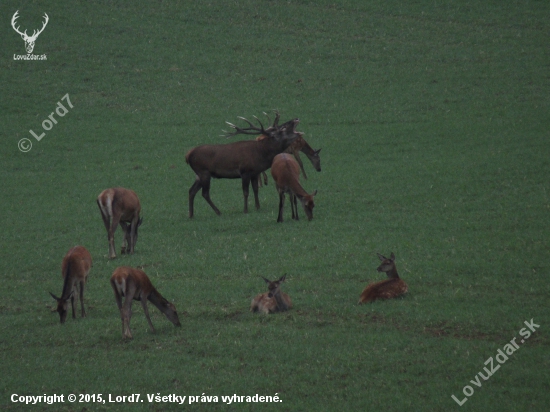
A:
433	123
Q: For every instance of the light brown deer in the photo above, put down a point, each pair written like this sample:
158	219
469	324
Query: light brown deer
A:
74	269
120	206
386	289
297	146
244	159
133	284
272	301
286	174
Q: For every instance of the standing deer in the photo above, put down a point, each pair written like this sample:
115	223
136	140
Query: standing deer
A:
243	159
29	40
74	269
272	301
286	174
120	206
386	289
133	284
297	146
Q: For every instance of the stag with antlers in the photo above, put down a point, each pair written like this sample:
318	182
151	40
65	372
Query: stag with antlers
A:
29	40
244	159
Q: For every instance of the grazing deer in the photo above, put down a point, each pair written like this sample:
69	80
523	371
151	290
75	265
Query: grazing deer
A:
294	149
272	301
29	40
133	284
119	205
244	159
386	289
74	269
286	174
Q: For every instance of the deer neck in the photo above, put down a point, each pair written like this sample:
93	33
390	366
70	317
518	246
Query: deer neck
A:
281	303
156	299
392	273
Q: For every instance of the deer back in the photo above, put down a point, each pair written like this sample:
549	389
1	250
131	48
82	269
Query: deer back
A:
118	201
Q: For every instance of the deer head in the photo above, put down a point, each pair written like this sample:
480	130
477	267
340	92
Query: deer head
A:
29	40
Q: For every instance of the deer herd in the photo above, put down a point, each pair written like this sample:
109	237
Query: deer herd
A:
276	147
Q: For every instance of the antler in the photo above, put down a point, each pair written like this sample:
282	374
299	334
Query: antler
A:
249	130
277	116
15	17
36	33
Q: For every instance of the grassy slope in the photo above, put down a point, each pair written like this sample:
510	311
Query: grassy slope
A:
433	121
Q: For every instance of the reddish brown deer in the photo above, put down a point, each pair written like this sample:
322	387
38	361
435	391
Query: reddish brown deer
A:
133	284
120	206
244	159
386	289
297	146
74	269
272	301
286	174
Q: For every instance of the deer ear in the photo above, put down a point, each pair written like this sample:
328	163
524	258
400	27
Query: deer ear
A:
317	151
392	257
266	280
282	279
382	258
53	296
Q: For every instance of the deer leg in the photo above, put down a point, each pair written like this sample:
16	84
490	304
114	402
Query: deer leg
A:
111	235
246	185
255	190
105	218
281	206
144	304
294	206
125	241
132	237
192	192
82	298
126	315
206	194
72	301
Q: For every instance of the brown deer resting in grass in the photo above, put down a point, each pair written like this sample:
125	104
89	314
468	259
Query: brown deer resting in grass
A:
297	146
244	159
74	269
286	174
120	206
272	301
133	284
386	289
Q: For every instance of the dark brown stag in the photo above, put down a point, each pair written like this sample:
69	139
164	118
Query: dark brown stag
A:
244	159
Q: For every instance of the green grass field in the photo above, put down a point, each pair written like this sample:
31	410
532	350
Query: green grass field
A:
433	119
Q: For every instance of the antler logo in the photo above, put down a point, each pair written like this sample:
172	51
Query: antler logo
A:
29	40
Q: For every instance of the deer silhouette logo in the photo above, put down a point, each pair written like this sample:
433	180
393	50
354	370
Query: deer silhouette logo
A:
29	40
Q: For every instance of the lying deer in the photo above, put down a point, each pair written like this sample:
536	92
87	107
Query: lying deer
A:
386	289
244	159
74	269
120	206
134	284
297	146
272	301
286	174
